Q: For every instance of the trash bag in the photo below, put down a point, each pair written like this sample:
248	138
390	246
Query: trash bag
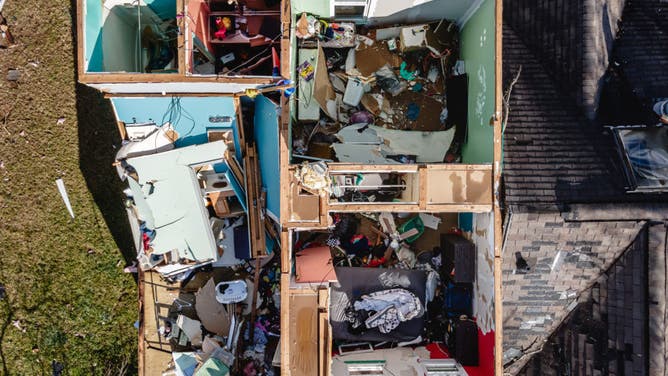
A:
388	81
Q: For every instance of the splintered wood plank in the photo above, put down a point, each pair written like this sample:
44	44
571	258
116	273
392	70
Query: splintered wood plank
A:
180	38
286	15
284	160
303	335
255	216
324	333
240	126
152	360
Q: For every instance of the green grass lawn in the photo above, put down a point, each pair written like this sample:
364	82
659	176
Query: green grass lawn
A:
66	291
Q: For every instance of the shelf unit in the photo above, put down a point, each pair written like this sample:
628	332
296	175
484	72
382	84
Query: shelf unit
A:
246	48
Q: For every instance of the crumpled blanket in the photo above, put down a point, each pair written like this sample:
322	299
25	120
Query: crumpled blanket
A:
384	310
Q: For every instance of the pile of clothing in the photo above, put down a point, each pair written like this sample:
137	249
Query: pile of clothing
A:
384	310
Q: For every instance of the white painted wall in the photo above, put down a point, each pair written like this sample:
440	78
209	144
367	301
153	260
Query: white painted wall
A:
399	11
119	42
415	11
168	88
483	299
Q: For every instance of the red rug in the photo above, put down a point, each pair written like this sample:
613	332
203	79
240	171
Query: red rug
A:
485	351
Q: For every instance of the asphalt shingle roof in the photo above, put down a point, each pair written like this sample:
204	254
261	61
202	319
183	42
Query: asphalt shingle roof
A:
642	47
548	157
536	302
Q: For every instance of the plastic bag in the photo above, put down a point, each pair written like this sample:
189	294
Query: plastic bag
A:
389	82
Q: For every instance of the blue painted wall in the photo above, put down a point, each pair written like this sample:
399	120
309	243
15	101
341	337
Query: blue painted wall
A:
189	115
266	137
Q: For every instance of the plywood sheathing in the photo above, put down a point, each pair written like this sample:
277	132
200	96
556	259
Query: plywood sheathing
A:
324	333
304	334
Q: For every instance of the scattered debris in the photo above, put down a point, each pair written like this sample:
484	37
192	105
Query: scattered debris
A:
398	75
17	325
313	176
13	75
521	264
60	121
63	193
131	268
6	37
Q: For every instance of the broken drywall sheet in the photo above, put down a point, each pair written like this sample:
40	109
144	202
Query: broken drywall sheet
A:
363	143
323	92
363	153
429	147
213	315
314	176
483	237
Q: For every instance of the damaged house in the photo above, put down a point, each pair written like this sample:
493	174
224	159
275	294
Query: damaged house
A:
199	155
312	186
391	143
204	215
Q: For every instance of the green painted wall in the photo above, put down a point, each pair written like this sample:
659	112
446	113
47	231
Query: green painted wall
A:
477	44
319	7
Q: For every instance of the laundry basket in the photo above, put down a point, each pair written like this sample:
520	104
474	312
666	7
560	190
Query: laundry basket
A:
413	223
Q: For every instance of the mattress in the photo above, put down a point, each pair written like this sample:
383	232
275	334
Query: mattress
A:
354	282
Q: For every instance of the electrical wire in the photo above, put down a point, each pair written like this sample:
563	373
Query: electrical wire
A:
250	60
173	115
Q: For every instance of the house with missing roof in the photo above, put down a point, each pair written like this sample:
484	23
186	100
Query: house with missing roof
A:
199	154
584	182
313	187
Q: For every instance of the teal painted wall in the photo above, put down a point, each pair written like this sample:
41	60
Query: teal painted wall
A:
93	30
165	9
119	34
191	122
477	50
319	7
265	131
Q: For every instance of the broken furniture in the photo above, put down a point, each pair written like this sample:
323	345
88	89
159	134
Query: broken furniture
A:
394	361
170	204
218	188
